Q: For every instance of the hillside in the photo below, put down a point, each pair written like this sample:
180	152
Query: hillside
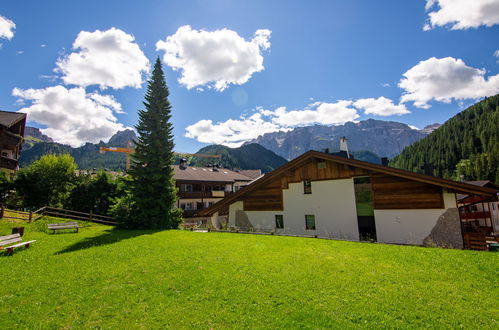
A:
383	138
252	156
248	156
467	144
86	156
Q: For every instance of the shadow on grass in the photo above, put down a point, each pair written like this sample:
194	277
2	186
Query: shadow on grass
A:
109	236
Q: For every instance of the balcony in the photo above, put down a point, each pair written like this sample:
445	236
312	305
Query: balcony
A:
8	163
203	194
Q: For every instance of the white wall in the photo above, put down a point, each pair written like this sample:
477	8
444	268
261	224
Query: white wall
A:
409	226
332	202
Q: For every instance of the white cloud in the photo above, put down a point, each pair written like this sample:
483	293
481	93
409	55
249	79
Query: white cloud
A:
445	79
6	28
71	115
231	133
106	58
235	132
462	14
214	59
496	54
318	113
380	107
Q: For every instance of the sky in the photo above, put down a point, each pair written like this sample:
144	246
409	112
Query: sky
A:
238	69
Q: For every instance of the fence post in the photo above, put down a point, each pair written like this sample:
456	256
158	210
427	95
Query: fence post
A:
1	212
90	216
30	216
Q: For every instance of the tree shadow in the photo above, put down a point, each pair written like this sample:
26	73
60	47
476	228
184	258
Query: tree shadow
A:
109	236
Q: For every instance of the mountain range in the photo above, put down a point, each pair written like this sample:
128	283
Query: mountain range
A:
367	140
383	138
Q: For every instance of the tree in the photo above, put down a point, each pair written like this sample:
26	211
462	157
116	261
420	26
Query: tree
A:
47	181
93	192
153	194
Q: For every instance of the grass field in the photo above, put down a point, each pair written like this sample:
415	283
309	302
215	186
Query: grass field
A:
108	278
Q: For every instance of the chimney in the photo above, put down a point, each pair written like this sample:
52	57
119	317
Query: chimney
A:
183	164
427	169
384	161
326	150
344	146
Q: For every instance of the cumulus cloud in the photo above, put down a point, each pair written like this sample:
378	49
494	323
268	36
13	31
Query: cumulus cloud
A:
72	116
462	14
380	107
214	59
232	132
106	58
6	28
235	132
445	79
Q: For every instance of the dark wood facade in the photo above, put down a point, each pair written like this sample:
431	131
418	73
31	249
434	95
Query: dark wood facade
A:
12	125
392	188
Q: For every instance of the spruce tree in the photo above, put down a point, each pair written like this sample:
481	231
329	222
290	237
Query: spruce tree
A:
152	190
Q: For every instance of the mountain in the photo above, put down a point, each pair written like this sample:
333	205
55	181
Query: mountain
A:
86	156
383	138
36	134
467	145
249	156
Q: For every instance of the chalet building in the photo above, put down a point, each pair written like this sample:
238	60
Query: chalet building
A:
12	125
324	195
201	187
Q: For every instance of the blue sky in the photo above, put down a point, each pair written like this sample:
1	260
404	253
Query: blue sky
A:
236	69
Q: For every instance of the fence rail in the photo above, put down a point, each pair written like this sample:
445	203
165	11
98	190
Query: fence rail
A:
57	212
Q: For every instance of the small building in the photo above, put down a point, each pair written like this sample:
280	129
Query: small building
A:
201	187
12	125
324	195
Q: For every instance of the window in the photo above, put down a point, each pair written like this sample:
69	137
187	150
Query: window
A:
307	187
279	221
310	221
186	206
186	187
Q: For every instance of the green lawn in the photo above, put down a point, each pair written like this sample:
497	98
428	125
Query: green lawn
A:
107	278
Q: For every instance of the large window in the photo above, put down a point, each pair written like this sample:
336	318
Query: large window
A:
310	221
307	186
279	221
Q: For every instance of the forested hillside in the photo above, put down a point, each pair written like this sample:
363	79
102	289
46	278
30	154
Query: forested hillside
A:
467	144
249	156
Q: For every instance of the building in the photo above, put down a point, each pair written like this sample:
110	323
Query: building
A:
12	125
479	214
324	195
201	187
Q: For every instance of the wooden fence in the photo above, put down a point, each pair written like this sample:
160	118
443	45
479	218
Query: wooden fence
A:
55	212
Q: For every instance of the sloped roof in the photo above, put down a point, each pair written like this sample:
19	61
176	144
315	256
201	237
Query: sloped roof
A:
304	158
194	173
7	118
253	174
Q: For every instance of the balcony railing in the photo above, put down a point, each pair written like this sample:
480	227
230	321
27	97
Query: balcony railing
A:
8	163
203	194
475	215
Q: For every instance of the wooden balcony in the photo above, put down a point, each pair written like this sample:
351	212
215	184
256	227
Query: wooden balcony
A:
8	163
475	215
11	139
203	194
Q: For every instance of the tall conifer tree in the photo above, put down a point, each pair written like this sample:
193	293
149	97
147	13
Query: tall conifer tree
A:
152	191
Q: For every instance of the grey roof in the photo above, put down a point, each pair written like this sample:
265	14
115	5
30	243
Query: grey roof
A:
8	118
194	173
253	174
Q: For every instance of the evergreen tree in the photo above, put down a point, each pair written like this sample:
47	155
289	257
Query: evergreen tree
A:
153	194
